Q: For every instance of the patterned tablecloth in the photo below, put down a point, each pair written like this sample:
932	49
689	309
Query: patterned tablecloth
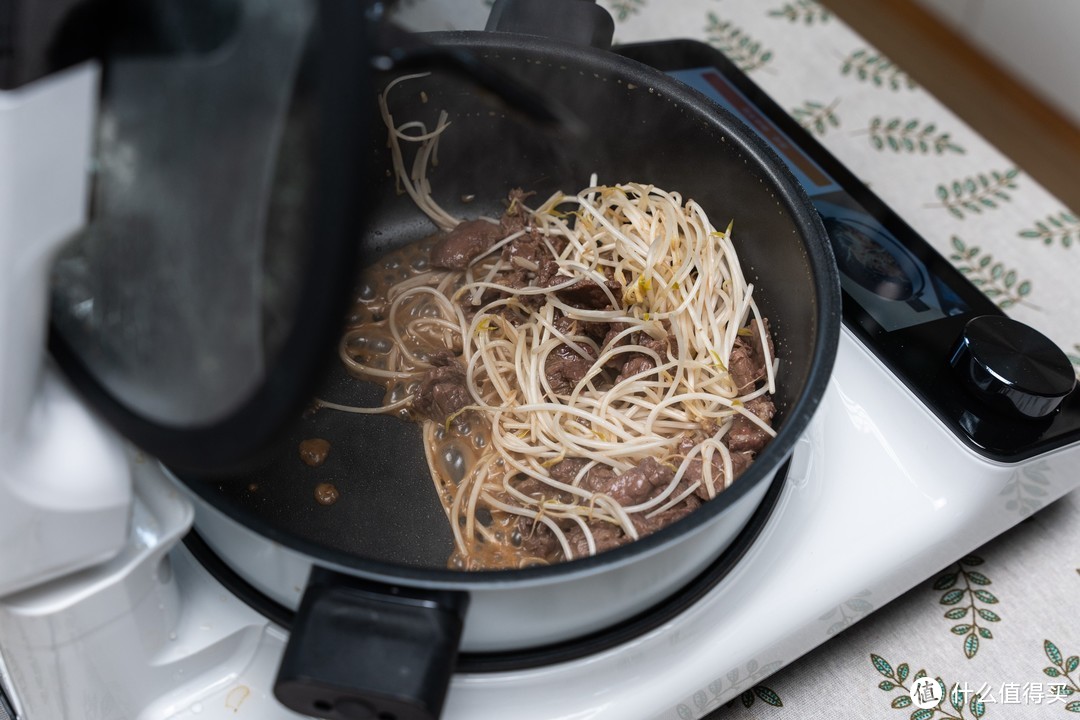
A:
1004	621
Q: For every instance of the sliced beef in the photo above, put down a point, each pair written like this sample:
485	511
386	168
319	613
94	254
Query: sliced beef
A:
647	525
739	462
565	325
744	371
661	347
537	539
636	364
606	536
566	470
516	216
745	434
539	490
585	293
442	390
632	487
747	361
529	248
548	270
756	352
565	368
456	249
614	329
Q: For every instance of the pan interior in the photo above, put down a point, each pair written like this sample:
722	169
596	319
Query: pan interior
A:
641	127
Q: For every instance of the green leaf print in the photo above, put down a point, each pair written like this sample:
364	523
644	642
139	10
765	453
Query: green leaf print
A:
746	52
806	11
976	194
816	117
1063	227
1052	652
952	597
883	666
871	66
768	695
909	136
1063	669
738	685
624	9
903	699
998	282
969	610
946	581
971	646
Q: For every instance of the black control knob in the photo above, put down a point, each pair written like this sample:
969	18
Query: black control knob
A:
1012	366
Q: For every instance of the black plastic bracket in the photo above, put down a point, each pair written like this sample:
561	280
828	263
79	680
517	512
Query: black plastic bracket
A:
581	22
362	650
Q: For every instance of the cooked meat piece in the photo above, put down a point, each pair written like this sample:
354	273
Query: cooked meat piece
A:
745	434
598	476
608	341
516	279
442	391
605	535
659	346
747	361
565	369
548	270
647	525
456	249
744	371
739	462
566	470
540	490
585	293
632	487
565	325
636	364
528	247
755	344
614	329
537	539
516	216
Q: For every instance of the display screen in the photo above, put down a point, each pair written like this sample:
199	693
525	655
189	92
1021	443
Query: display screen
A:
889	281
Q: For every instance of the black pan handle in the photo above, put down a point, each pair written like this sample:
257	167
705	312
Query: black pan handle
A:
363	650
581	22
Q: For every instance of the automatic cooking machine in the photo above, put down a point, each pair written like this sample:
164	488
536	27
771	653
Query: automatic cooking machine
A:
146	144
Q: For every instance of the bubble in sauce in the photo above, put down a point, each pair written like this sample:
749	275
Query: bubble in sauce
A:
326	494
313	451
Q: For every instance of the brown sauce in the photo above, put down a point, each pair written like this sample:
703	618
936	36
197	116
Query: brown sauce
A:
313	451
326	494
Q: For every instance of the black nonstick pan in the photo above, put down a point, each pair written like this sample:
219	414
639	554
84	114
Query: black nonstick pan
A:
380	549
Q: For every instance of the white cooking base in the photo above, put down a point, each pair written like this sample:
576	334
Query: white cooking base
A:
147	638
